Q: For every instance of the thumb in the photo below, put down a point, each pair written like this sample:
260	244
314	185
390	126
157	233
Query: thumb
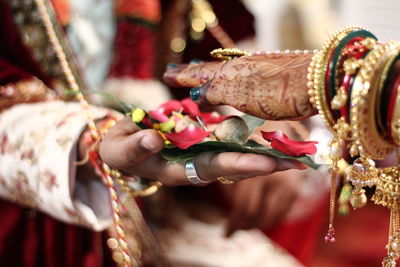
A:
125	152
143	144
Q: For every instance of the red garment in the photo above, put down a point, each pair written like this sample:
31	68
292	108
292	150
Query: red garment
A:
33	239
29	238
300	238
133	51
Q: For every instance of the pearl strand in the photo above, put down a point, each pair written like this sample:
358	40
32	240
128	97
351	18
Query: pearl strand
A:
282	52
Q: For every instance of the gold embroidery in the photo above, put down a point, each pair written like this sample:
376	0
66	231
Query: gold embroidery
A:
29	90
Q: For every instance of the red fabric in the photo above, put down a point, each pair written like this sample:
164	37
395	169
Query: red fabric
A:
300	238
134	51
10	73
12	48
33	239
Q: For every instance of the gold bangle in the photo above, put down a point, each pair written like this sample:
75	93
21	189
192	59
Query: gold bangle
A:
383	78
225	181
316	75
151	188
363	103
395	123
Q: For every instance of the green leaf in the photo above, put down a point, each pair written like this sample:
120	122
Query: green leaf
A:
252	122
175	154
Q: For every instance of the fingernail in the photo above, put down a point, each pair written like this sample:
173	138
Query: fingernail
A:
196	61
171	66
195	93
149	144
296	165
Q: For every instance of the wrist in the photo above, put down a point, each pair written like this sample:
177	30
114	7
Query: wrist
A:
87	143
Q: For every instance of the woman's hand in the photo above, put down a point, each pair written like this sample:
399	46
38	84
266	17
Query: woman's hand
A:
272	87
136	152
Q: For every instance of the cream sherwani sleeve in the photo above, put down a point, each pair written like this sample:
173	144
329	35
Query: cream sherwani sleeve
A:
37	163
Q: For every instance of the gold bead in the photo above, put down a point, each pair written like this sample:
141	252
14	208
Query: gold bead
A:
358	199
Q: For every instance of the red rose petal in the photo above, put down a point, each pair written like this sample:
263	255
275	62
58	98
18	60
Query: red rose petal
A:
190	107
284	144
212	117
155	114
169	106
187	137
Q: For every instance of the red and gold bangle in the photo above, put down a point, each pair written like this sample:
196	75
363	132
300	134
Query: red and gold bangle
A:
393	114
363	103
317	76
380	116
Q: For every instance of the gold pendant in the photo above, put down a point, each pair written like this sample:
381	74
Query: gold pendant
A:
362	173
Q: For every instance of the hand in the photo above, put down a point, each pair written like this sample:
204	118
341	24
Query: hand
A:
263	201
272	87
136	152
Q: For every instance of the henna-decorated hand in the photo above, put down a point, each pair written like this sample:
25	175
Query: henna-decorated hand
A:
270	86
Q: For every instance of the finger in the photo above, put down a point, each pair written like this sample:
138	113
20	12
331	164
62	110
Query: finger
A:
209	167
173	174
243	165
191	75
123	127
286	164
123	150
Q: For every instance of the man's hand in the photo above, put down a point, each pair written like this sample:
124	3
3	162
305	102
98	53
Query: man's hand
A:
136	152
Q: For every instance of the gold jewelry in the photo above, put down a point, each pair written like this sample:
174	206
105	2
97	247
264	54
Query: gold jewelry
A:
25	91
316	75
224	180
395	122
387	194
369	141
123	181
227	53
383	77
341	130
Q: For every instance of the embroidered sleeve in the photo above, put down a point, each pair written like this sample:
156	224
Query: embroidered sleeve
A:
37	163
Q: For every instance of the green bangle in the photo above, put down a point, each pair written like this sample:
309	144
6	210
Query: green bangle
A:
337	53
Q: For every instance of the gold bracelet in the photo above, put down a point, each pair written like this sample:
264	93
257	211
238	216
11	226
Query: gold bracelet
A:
151	188
395	121
383	77
369	142
316	75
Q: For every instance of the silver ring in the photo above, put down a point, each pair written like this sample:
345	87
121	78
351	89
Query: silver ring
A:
191	173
